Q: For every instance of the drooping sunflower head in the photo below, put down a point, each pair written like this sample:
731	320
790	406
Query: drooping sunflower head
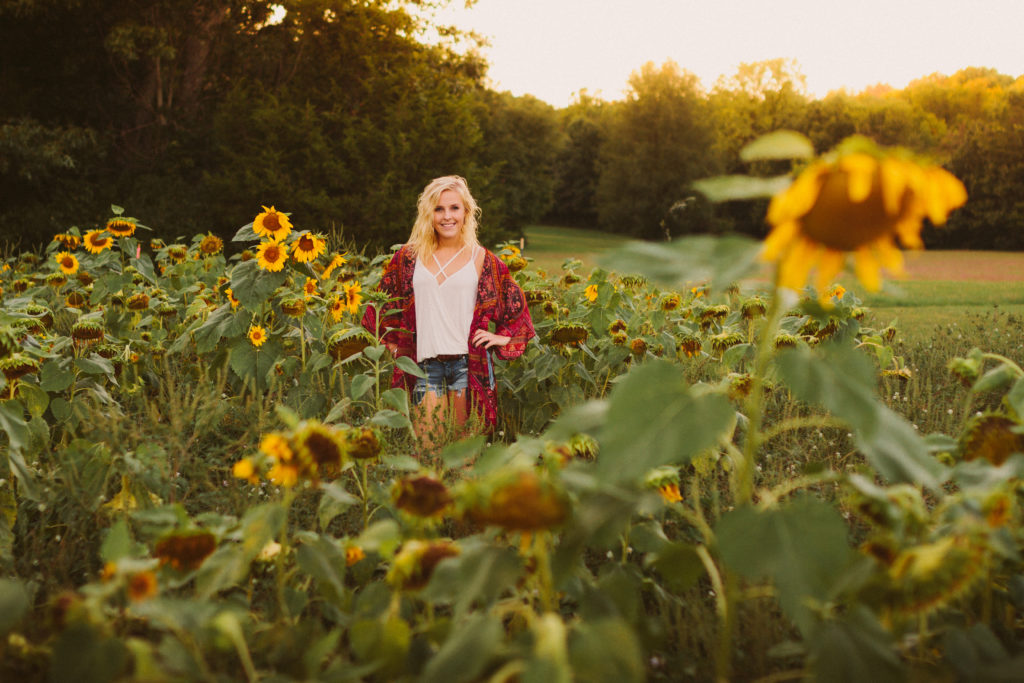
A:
345	344
753	308
690	345
363	443
568	333
87	331
422	496
638	347
308	247
75	299
121	227
96	241
863	199
137	302
272	224
177	253
68	241
272	255
294	307
722	342
56	280
185	550
142	586
991	437
18	365
518	501
211	244
415	562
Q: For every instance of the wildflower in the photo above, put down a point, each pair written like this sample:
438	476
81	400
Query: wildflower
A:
591	293
620	338
272	256
244	469
353	554
862	201
210	245
670	302
95	242
309	288
142	586
307	247
120	227
415	563
353	297
257	335
713	314
272	224
337	261
422	496
69	242
185	551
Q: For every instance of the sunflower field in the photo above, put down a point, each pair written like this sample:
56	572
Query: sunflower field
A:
696	475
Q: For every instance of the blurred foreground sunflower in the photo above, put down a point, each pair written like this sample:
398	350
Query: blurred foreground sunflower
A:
861	200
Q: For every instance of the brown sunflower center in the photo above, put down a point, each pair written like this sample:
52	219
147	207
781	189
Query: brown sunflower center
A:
842	225
271	222
306	243
272	254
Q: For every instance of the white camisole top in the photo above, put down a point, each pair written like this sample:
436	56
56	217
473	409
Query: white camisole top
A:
444	310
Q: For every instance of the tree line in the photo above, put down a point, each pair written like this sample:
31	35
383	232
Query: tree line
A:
193	115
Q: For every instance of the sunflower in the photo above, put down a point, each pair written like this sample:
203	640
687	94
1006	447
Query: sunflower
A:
337	261
293	307
422	496
211	244
568	333
414	564
670	302
590	293
343	345
363	443
75	300
522	501
177	253
991	437
353	297
272	224
18	365
95	241
69	242
321	450
137	302
272	256
257	335
87	331
56	280
753	308
232	298
244	469
862	201
353	554
307	247
121	227
337	309
277	446
309	288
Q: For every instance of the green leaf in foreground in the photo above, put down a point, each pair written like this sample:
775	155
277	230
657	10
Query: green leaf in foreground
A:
720	260
779	144
801	547
654	419
728	188
843	380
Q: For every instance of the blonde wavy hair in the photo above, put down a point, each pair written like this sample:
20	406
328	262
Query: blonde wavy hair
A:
423	239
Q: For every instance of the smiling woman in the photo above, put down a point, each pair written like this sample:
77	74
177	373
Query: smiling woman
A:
450	290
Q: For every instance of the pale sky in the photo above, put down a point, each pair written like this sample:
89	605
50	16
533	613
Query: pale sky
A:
553	48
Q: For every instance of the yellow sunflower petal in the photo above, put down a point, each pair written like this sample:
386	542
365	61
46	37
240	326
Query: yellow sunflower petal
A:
797	264
860	175
890	256
829	265
867	269
909	232
893	176
778	239
798	198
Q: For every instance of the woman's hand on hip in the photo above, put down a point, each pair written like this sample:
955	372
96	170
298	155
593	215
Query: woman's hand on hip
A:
488	339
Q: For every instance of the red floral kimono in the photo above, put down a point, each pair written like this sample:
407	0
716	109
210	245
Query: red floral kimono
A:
498	299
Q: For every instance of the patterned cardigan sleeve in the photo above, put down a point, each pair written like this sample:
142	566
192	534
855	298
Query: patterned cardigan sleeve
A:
513	314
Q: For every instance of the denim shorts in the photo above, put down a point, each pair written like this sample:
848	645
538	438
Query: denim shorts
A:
442	376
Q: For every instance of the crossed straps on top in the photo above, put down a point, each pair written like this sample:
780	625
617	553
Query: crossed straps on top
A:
441	269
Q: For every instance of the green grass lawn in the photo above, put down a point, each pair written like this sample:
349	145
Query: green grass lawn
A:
942	288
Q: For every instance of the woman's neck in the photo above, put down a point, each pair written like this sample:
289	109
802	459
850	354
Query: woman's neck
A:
447	245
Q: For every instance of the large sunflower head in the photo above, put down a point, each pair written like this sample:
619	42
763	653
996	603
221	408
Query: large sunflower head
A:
272	255
121	227
96	241
320	449
272	224
862	200
307	247
991	437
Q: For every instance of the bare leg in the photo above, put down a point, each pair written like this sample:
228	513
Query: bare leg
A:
459	401
429	418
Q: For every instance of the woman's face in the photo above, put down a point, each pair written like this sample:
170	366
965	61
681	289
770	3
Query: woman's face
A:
449	216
